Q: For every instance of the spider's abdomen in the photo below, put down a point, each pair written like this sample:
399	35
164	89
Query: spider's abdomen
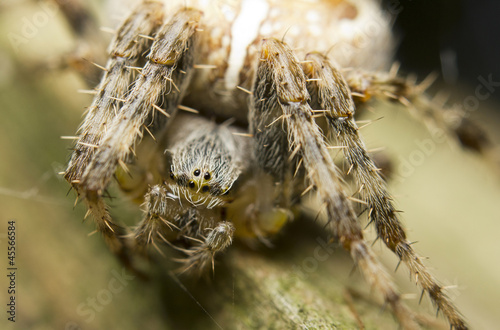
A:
353	33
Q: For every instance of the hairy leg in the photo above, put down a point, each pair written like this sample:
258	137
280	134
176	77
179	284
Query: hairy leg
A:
331	94
280	88
125	50
450	121
168	71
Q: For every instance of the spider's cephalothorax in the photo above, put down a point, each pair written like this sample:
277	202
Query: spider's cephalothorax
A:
203	183
206	160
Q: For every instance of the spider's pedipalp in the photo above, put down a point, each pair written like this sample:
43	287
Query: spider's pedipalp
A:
281	82
201	257
155	222
331	92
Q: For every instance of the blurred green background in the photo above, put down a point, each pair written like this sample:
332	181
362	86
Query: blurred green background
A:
450	204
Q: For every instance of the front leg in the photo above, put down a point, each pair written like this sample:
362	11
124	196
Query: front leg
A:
280	92
169	66
332	95
168	71
125	51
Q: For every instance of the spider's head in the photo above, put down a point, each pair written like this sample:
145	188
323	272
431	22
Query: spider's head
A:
202	176
199	181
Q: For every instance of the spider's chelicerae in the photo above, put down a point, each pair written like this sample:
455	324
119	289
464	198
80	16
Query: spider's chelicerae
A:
220	129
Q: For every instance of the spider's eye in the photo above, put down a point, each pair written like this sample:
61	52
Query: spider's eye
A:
196	172
205	188
207	176
191	184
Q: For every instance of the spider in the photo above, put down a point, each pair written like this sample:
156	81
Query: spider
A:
220	129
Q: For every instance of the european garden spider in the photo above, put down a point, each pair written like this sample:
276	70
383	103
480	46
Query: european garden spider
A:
264	113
